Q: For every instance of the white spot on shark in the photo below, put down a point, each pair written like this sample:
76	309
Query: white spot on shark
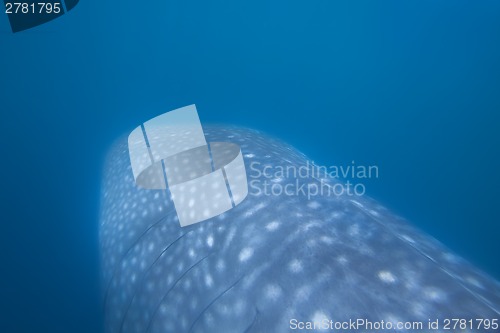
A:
273	291
209	282
245	254
220	266
386	277
314	205
295	266
271	226
210	241
434	294
318	317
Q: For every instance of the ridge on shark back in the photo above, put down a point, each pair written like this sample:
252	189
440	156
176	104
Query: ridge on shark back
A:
273	261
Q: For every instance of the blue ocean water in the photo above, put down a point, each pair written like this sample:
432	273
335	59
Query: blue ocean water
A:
412	87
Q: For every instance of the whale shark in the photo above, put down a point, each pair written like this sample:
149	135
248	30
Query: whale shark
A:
278	262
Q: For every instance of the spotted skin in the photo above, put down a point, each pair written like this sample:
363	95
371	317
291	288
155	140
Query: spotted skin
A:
272	258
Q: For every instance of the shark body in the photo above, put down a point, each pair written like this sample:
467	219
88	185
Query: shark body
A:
274	263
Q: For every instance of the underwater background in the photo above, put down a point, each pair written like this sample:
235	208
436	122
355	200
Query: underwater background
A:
412	87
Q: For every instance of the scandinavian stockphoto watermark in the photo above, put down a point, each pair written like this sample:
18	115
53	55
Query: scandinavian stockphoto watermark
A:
310	179
206	179
323	323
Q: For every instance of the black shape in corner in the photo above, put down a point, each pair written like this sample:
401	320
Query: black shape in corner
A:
31	13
